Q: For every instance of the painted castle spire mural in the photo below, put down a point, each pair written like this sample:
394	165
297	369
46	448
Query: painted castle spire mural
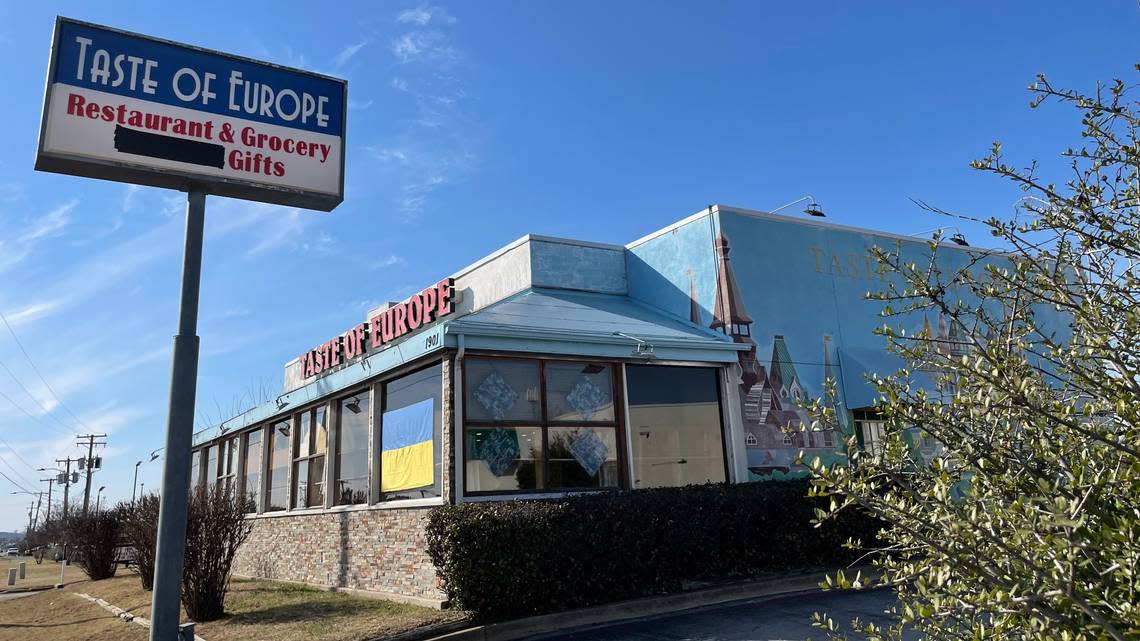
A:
729	315
777	427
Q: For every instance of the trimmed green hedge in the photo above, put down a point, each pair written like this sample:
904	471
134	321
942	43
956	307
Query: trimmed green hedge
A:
518	558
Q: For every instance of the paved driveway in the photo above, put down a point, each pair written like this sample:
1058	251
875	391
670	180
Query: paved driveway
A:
769	619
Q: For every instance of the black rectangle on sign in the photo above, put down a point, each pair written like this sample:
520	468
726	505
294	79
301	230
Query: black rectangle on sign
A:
142	143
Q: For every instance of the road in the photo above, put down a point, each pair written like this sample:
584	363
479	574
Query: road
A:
769	619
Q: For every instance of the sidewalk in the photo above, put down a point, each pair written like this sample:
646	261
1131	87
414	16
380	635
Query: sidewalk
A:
636	609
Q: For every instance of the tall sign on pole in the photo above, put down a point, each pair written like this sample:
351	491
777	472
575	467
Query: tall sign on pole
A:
131	108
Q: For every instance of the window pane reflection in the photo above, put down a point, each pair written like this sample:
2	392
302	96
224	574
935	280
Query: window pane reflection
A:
503	458
352	451
582	457
579	392
675	425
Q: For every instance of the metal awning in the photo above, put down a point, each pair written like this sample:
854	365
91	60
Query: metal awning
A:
545	321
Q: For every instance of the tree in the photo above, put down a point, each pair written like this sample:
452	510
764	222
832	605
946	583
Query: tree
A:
215	528
93	537
1026	523
140	531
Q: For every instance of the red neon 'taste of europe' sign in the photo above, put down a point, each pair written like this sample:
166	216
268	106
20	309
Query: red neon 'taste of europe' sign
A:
385	327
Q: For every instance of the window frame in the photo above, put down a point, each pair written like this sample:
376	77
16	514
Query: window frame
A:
617	382
295	459
724	423
379	390
244	451
336	402
271	428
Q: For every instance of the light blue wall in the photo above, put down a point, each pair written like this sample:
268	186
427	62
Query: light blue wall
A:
577	266
659	269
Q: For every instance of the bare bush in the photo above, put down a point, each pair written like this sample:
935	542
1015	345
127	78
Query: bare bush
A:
140	531
93	537
215	528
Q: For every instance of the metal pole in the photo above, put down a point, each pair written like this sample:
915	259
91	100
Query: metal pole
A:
47	517
135	483
171	546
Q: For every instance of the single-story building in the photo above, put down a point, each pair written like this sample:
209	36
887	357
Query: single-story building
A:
555	366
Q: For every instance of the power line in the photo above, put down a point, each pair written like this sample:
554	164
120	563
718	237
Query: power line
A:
15	471
17	455
30	415
13	482
37	371
35	400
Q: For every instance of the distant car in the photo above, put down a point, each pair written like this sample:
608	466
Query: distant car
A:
13	551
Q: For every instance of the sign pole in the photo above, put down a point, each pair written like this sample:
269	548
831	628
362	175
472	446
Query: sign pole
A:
166	599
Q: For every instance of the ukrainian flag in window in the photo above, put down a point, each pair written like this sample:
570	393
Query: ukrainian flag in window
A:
406	453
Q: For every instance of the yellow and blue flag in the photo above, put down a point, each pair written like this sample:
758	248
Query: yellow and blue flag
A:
406	459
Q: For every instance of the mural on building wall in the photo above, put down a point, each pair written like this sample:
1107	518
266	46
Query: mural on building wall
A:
794	292
777	425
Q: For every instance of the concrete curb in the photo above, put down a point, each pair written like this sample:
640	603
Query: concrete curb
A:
121	613
624	611
32	588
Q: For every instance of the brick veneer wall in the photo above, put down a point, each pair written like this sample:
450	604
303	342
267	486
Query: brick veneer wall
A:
375	550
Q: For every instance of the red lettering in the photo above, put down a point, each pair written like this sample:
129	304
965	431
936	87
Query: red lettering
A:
377	341
92	110
278	169
108	113
443	293
401	312
429	298
75	104
387	327
335	348
415	312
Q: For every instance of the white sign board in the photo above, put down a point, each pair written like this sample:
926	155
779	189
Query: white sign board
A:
126	107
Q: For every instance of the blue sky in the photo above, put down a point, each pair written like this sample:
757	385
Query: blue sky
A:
471	124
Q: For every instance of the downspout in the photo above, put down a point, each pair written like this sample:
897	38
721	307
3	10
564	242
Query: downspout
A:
457	420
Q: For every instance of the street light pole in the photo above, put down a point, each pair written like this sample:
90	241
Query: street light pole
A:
171	544
135	483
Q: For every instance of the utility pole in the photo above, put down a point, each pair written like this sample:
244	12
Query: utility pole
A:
39	501
66	481
47	515
31	509
90	463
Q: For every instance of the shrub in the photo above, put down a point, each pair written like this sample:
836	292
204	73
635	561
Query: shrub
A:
140	531
215	527
518	558
93	538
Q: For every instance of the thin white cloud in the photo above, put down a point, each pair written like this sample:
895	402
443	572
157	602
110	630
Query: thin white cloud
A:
399	84
391	260
49	224
347	54
432	46
359	106
424	15
11	192
31	312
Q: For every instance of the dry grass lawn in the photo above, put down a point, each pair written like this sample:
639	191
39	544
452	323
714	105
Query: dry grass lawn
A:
256	610
35	575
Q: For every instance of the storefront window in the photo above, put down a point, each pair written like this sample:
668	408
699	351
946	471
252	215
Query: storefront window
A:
252	481
277	481
872	430
309	459
211	466
518	438
227	465
352	450
675	425
411	435
195	468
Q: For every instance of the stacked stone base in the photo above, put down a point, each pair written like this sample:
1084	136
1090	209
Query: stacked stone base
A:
377	552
